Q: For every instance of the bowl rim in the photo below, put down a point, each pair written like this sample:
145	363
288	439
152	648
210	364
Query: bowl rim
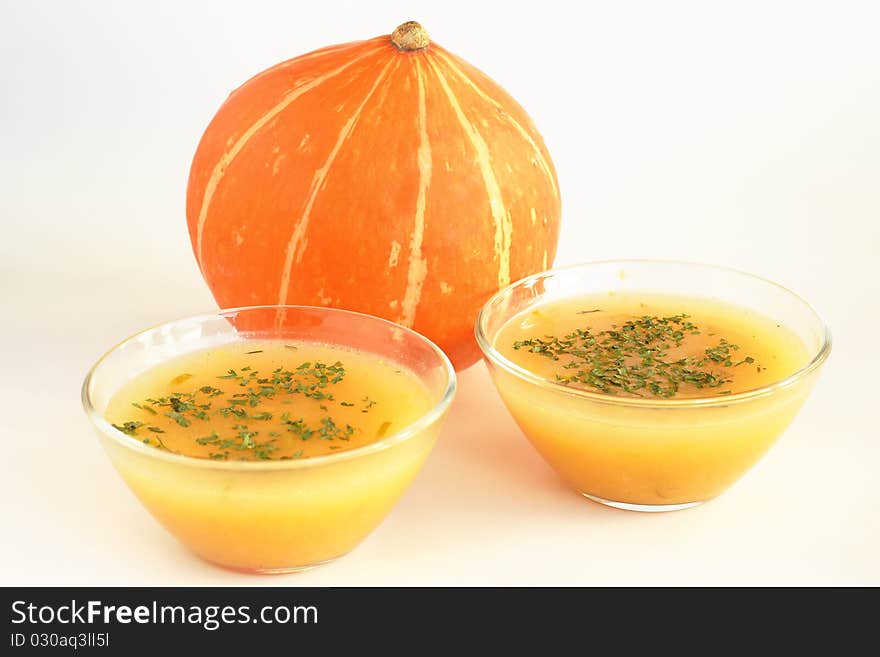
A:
495	357
411	430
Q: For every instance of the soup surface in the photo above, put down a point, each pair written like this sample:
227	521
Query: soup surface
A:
651	346
267	400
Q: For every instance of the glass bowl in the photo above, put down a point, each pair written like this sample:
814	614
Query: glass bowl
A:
271	516
651	454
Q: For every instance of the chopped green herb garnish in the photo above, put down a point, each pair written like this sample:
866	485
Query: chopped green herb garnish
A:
634	357
145	407
179	418
129	427
310	380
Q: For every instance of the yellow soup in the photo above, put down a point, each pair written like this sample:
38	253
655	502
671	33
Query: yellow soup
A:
258	419
658	352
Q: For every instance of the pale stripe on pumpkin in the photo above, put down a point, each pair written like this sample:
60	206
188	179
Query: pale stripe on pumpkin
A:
503	224
393	254
418	267
302	58
227	157
513	122
296	244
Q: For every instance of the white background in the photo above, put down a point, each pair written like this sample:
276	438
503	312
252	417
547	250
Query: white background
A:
744	134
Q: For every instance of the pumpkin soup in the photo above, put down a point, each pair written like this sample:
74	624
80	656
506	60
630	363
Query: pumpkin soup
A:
252	417
623	415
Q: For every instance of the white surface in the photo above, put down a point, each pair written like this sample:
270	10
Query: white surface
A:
743	134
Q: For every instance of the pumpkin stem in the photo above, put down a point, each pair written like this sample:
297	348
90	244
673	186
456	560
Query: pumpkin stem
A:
410	36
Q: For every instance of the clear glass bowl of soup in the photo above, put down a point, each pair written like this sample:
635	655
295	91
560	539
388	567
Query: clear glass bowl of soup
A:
651	385
270	439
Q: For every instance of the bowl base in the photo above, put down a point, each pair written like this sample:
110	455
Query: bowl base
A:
284	570
645	508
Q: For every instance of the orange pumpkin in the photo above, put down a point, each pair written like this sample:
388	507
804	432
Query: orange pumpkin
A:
386	176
